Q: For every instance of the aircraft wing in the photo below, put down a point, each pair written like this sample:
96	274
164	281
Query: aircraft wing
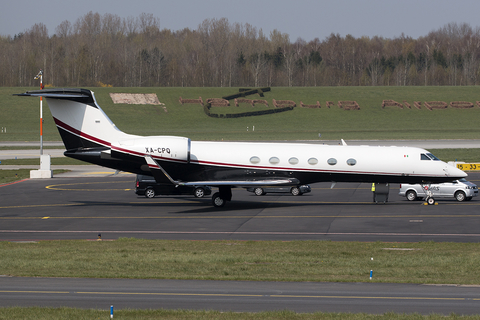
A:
159	174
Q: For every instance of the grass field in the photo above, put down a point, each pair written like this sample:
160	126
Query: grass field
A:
426	262
268	261
20	115
37	313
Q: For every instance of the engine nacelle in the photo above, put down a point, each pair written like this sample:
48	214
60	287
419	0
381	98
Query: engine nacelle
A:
169	148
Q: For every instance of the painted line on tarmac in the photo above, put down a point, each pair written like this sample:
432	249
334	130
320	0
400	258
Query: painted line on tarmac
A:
198	201
61	186
15	182
251	217
280	296
245	233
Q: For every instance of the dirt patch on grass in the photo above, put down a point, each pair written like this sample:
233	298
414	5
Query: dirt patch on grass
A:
135	98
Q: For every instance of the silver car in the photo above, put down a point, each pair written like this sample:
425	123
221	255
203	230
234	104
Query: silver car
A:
461	190
296	191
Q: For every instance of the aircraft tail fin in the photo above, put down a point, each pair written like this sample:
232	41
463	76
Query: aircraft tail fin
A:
79	119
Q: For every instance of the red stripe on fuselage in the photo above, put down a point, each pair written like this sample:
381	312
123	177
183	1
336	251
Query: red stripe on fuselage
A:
66	127
140	154
79	133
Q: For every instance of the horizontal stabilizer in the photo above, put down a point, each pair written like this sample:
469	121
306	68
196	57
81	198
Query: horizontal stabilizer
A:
79	95
56	93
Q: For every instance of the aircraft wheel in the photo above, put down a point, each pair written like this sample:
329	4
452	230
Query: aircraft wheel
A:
217	201
460	196
431	201
296	191
199	192
411	195
258	191
150	193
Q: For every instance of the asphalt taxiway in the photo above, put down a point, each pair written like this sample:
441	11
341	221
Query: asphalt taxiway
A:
84	203
239	296
100	202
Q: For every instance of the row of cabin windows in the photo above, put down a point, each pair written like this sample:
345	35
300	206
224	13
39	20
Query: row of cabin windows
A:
331	161
294	161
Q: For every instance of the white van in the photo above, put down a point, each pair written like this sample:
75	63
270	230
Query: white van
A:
461	190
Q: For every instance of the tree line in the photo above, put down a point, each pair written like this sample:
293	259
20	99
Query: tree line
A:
108	50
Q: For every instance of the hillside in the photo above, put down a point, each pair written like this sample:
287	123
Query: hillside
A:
19	119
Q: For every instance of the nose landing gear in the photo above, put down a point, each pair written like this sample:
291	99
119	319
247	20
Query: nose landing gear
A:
429	200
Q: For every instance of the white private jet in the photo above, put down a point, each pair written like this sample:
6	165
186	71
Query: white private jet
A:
89	135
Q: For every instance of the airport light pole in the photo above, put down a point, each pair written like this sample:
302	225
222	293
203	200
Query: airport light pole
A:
40	76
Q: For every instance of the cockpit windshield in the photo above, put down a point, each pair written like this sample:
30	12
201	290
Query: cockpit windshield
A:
428	156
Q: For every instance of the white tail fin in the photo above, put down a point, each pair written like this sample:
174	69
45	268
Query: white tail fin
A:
79	119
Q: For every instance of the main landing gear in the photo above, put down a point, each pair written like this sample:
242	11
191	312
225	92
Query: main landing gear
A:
221	197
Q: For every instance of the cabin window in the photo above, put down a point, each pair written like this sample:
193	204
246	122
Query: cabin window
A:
351	162
332	161
293	161
254	160
274	160
312	161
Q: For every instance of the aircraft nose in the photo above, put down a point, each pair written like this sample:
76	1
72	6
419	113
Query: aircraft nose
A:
454	172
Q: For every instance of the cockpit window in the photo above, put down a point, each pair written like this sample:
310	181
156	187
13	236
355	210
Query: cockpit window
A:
428	156
431	156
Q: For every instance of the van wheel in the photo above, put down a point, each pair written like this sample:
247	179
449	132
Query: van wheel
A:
150	193
460	196
217	201
411	195
199	192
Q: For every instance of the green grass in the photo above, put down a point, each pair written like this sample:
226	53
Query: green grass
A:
427	262
39	313
465	155
9	176
36	161
20	115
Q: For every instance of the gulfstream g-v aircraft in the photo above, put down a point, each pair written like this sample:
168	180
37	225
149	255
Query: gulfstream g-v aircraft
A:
89	135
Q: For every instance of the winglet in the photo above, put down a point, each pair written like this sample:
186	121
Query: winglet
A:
344	143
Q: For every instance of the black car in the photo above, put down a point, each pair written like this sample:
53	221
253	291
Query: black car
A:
148	187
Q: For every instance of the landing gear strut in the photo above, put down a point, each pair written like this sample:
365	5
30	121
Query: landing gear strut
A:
429	198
